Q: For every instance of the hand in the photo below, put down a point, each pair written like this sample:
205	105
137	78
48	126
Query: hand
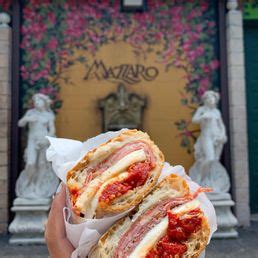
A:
31	118
55	235
205	116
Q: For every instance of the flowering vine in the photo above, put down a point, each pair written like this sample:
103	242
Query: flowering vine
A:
181	33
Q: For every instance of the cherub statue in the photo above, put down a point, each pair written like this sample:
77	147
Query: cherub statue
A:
37	180
207	170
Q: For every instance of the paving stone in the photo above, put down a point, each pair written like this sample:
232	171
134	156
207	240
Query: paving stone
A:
244	246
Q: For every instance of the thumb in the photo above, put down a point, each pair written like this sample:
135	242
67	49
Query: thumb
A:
58	202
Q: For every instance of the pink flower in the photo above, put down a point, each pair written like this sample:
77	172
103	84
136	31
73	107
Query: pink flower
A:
25	76
211	23
28	13
192	55
49	90
205	82
204	85
137	38
178	28
38	27
204	6
205	68
24	72
199	50
186	46
94	37
158	36
39	37
201	91
44	91
37	54
192	14
51	17
52	44
177	63
187	133
64	53
176	11
23	69
142	17
34	66
199	28
214	64
118	30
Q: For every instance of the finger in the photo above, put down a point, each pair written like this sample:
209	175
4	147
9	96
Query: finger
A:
59	187
58	203
57	190
59	199
55	225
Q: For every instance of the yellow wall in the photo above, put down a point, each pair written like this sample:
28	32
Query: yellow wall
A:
80	118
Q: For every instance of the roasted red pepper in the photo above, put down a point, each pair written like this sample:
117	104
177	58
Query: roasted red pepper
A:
138	174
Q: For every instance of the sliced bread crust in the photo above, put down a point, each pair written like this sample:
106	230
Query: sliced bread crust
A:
76	176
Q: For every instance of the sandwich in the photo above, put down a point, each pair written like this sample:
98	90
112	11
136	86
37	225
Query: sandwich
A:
115	176
169	223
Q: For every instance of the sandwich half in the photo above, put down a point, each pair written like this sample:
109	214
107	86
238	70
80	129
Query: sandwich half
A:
115	176
168	224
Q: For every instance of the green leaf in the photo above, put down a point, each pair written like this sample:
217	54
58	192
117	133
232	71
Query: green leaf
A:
184	101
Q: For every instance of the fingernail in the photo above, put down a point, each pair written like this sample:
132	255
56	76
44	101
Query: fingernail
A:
59	188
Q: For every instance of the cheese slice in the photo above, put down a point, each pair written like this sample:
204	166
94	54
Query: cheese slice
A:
123	164
150	239
185	208
154	235
86	197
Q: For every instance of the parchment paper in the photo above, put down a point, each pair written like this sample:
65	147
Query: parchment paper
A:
65	153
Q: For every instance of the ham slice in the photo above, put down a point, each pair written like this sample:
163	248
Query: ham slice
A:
119	154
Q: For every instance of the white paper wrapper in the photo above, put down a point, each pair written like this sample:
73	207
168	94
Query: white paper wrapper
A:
65	153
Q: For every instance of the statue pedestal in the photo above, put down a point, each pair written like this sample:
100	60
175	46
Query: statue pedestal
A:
28	224
226	220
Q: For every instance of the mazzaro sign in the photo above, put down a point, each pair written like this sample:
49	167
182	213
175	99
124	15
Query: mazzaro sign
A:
128	73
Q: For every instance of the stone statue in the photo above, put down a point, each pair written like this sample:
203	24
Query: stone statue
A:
207	170
37	180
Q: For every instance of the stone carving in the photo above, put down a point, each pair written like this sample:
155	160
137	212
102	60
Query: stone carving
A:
122	110
5	19
37	180
232	4
207	169
28	225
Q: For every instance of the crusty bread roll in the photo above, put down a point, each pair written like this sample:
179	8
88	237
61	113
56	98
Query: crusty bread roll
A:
115	176
129	236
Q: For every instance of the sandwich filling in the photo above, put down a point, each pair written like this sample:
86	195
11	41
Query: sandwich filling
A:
125	169
179	230
164	220
137	176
